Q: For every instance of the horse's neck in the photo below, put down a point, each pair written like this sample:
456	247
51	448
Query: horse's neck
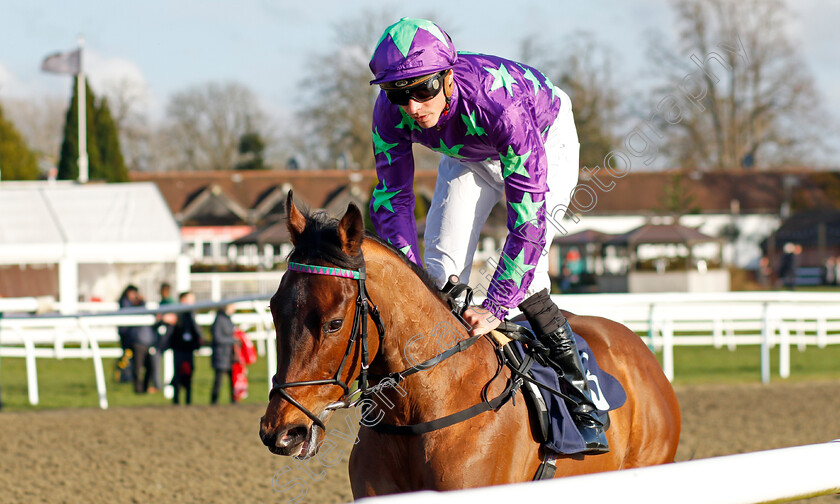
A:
418	326
417	323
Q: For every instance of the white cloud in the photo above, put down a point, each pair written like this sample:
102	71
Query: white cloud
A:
118	77
10	85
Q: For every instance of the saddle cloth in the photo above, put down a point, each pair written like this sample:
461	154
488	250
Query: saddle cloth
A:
607	394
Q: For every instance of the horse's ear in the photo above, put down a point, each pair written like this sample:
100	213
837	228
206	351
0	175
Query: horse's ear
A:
295	222
351	230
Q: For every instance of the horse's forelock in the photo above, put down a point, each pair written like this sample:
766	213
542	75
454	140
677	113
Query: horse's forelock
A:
319	241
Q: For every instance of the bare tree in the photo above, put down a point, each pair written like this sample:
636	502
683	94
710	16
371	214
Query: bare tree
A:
206	123
40	121
736	92
584	70
128	99
338	99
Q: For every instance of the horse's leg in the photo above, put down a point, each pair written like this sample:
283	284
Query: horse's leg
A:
375	466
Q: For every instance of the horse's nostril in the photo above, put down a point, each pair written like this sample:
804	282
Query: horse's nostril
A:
292	437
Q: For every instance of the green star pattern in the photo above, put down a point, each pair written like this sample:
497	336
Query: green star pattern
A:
472	127
404	250
515	269
514	163
501	78
382	198
552	87
381	146
449	151
529	75
526	210
403	31
408	121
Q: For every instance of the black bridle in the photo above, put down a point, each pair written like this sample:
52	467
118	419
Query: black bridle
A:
364	309
359	333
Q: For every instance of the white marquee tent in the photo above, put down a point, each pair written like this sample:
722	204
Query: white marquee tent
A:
100	237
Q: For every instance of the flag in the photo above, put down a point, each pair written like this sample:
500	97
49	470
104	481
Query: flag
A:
65	63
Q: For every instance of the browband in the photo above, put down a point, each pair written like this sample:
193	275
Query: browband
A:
325	270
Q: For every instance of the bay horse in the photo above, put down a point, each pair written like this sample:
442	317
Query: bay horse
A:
345	281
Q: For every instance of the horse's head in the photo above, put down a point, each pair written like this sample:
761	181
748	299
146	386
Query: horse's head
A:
320	313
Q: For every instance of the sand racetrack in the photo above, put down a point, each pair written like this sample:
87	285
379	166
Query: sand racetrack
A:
213	454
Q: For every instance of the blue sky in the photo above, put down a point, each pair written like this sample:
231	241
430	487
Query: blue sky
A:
265	44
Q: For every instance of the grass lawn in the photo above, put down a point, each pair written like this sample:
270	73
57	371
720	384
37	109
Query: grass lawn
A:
70	383
697	365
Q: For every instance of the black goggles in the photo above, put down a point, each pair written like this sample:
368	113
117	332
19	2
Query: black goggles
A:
421	92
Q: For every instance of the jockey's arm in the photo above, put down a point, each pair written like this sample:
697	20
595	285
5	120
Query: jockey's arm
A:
392	201
524	165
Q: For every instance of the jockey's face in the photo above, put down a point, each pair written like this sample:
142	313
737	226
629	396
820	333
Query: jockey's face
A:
427	113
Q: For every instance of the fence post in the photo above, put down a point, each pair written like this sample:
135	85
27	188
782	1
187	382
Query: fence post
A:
765	344
784	351
31	369
717	332
822	333
215	287
668	350
651	329
98	368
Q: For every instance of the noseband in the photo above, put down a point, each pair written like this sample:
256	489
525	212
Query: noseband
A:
364	309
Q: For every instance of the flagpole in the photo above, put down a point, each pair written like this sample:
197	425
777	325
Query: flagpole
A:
80	85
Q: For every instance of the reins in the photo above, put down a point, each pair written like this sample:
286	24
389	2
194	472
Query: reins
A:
364	309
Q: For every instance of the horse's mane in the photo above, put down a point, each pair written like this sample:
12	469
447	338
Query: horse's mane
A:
319	240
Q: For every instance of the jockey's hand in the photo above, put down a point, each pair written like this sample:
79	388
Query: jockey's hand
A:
481	320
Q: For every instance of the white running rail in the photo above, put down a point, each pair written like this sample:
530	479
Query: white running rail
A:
781	475
665	321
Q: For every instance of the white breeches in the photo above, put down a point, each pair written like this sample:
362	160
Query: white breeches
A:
466	191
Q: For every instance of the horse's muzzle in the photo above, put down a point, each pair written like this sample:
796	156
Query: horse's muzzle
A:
296	440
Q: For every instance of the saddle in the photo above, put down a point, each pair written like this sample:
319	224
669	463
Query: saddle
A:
543	392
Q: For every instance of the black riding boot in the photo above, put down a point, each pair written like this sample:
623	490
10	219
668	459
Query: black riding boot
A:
553	331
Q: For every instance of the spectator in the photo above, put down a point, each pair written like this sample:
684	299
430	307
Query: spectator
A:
787	268
185	340
128	299
764	273
830	271
143	347
125	365
225	351
166	294
164	323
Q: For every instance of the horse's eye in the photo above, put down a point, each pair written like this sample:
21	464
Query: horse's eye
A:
333	325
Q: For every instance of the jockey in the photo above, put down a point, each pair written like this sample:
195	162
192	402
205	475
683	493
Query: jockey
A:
504	130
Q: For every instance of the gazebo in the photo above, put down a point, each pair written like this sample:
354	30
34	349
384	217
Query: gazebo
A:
83	242
653	242
653	258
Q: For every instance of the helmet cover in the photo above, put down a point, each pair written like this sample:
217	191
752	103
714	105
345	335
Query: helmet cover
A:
410	48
